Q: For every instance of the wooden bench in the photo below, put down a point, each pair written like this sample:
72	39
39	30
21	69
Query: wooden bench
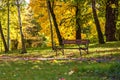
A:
82	45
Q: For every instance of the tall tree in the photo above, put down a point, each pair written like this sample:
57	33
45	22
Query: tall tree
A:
54	21
97	23
51	28
78	27
20	25
2	6
3	38
8	30
110	25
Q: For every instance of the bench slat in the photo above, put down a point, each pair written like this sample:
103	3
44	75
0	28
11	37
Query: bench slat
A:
72	48
69	42
75	42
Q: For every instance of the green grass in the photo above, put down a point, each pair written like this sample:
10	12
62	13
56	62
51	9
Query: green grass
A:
54	70
102	63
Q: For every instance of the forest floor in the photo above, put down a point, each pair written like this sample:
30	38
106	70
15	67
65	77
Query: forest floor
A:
97	52
102	63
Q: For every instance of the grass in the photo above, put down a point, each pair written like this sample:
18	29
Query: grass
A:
54	70
102	63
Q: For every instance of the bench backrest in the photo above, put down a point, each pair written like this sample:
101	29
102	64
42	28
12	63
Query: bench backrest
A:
76	42
69	42
82	42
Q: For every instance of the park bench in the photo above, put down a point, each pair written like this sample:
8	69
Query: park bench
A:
82	45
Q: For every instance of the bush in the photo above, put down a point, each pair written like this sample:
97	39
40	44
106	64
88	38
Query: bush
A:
14	44
35	42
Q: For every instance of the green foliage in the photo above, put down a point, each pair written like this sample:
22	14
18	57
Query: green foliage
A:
114	71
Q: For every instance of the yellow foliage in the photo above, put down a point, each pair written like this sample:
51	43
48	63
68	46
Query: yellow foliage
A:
113	6
64	12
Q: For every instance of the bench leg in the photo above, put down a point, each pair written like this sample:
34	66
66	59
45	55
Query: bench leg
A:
63	51
56	52
87	51
80	52
55	49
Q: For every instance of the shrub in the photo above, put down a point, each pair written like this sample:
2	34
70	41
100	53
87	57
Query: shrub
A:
14	44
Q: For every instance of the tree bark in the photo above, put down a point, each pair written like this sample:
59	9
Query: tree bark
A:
8	31
21	33
110	25
55	22
78	28
97	23
3	38
51	28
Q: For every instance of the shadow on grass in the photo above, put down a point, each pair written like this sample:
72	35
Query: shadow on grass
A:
114	44
105	50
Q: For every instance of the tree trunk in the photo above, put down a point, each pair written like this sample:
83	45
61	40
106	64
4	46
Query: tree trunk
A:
8	31
3	38
51	28
21	33
100	35
78	28
55	22
110	25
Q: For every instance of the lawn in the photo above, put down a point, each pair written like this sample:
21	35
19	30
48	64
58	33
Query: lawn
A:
102	63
